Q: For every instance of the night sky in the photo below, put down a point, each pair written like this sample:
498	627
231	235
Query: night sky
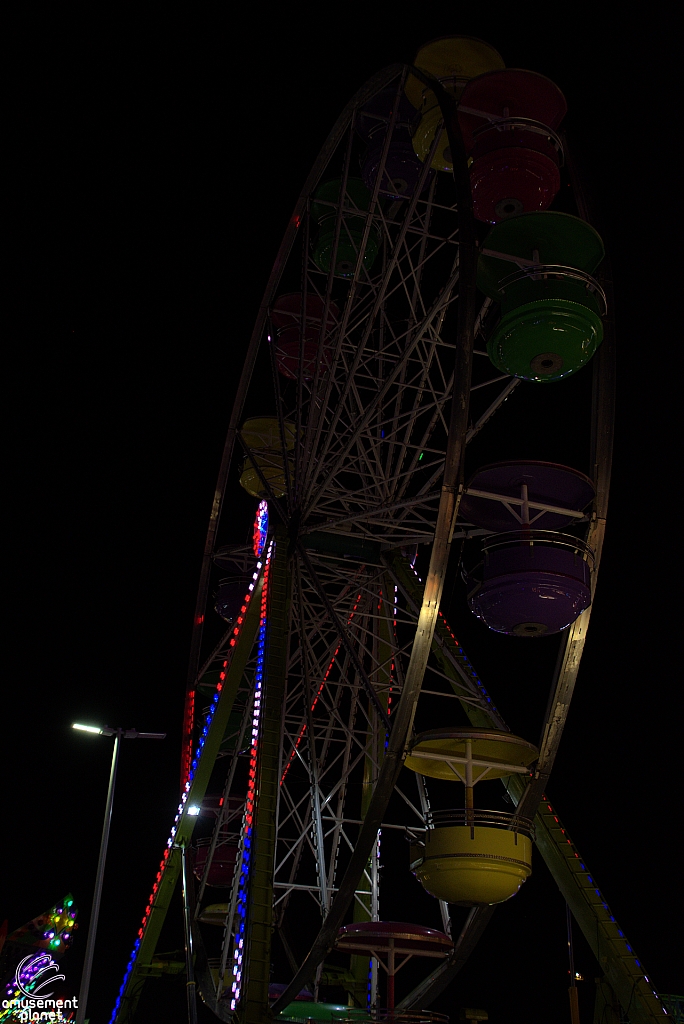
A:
163	156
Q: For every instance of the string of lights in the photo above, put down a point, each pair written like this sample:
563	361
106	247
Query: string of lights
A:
245	852
260	533
184	808
59	924
547	805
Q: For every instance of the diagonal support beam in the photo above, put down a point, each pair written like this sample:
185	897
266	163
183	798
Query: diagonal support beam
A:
254	1010
435	983
181	833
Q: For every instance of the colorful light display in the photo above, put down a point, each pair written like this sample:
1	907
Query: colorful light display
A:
259	537
51	930
182	806
240	952
47	936
260	529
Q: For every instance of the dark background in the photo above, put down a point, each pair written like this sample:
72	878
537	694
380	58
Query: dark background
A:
159	158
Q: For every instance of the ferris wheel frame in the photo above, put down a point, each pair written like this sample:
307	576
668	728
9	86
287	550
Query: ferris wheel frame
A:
426	605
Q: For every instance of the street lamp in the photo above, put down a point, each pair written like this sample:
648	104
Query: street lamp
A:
118	734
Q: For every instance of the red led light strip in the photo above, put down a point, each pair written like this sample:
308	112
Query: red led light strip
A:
318	693
192	767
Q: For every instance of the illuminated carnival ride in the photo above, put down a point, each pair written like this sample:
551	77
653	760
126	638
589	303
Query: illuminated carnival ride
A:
433	339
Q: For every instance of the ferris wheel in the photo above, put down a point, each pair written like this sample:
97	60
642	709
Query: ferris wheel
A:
422	285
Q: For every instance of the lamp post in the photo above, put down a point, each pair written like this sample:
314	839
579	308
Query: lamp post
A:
118	734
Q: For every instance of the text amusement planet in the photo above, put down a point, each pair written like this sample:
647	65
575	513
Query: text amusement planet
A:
32	975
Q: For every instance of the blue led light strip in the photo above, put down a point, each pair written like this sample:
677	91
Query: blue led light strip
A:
239	951
166	859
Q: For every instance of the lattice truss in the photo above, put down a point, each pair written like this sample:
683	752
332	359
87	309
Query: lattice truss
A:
370	425
351	625
338	698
